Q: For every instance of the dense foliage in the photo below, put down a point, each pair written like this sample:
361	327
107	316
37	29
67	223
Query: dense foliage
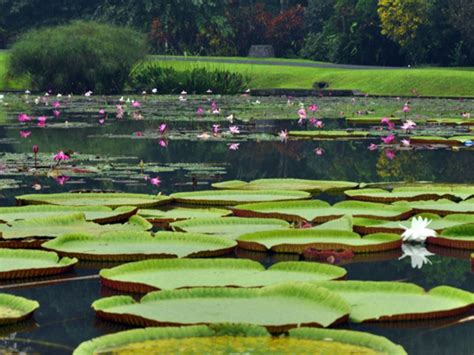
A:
77	58
384	32
167	80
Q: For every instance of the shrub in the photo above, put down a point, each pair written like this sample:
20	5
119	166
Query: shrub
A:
78	57
168	80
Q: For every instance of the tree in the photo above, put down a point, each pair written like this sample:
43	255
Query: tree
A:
401	19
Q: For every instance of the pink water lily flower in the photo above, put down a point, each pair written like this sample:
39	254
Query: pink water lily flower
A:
155	181
234	130
302	114
61	180
405	142
319	151
200	111
138	134
25	134
163	127
283	135
215	129
56	113
101	121
42	121
313	108
406	108
61	156
388	122
389	139
319	124
23	117
390	154
119	112
136	104
408	124
101	111
372	147
234	146
56	104
163	143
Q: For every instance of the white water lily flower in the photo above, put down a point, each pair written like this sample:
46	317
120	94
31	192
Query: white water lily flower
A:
418	231
418	255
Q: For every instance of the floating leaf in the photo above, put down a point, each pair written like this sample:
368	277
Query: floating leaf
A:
413	193
320	211
231	227
95	199
233	197
456	140
14	309
179	214
396	301
238	339
51	227
451	121
344	223
287	185
362	120
329	134
32	263
98	214
297	305
460	236
149	275
298	240
441	207
130	246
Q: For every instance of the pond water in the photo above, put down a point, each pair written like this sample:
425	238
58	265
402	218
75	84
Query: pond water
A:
120	153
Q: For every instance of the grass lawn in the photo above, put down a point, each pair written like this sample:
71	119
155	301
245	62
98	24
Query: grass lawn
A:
453	82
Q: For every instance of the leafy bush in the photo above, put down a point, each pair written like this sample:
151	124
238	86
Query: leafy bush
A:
168	80
78	57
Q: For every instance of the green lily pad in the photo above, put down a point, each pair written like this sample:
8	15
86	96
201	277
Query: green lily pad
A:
344	223
413	193
51	227
95	199
16	263
367	225
150	275
363	120
233	197
397	301
460	236
180	214
230	227
14	309
451	121
329	134
287	185
442	207
321	211
298	240
131	246
278	307
97	214
237	339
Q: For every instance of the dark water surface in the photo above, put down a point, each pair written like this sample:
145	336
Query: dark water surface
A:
65	318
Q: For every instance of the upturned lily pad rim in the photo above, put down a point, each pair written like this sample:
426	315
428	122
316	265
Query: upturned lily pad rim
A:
52	199
112	277
392	287
215	197
58	265
307	185
329	134
412	193
168	217
309	292
223	245
120	339
124	338
459	237
253	241
23	305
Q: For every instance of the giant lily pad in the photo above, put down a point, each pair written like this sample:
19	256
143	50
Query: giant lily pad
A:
98	214
179	214
456	140
237	339
397	301
298	240
230	227
233	197
287	185
367	120
461	236
278	307
451	121
441	207
14	309
320	211
149	275
51	227
329	134
130	246
367	225
413	193
94	199
32	263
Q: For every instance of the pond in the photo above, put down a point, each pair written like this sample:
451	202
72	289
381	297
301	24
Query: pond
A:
122	154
